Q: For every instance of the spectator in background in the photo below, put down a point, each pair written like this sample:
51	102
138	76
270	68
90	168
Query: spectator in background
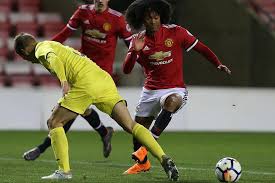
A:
158	50
83	84
101	26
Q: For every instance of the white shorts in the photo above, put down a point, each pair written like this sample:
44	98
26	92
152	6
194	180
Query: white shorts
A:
152	101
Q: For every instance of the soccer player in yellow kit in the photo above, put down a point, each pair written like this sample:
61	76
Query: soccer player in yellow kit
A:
83	84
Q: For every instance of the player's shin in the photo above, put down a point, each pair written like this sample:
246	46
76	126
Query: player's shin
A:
46	143
94	120
60	148
68	125
161	123
136	144
144	136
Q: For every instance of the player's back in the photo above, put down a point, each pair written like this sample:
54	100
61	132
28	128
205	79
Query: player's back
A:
76	65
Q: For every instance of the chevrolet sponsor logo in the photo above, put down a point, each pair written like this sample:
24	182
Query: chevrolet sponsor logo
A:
162	62
95	34
158	56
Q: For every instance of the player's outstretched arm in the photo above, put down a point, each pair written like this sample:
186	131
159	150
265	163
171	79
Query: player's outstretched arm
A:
129	62
224	69
210	55
135	47
63	35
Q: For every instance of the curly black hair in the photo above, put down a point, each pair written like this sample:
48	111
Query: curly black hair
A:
136	11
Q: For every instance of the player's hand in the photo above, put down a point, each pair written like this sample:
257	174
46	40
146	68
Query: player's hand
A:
65	87
224	69
138	41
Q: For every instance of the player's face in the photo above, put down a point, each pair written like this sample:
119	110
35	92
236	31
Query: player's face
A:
101	5
28	54
152	21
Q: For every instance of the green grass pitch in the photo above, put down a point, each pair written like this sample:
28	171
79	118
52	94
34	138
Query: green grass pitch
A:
195	154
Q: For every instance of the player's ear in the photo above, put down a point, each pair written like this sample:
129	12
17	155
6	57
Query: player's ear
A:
24	52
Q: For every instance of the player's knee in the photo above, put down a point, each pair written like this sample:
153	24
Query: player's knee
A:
173	102
128	130
128	127
49	124
144	121
53	123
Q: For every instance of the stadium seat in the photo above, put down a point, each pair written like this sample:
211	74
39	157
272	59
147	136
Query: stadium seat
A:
6	6
4	51
265	9
24	22
50	29
32	6
4	31
44	78
5	26
2	75
19	74
12	55
50	23
43	18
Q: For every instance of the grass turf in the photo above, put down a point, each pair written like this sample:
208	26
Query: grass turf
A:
195	154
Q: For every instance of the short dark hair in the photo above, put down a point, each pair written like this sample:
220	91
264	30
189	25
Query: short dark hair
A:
136	11
21	41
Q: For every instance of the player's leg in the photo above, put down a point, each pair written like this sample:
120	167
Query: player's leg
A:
146	122
60	116
140	151
47	141
148	107
34	153
106	133
170	105
121	115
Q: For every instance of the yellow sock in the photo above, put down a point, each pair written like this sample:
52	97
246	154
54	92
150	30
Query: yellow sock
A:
60	148
145	137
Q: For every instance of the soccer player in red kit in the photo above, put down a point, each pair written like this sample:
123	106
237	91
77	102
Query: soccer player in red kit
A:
158	50
101	26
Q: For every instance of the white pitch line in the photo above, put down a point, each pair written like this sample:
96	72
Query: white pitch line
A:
127	165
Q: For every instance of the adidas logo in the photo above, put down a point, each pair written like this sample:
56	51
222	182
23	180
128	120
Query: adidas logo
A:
146	48
86	22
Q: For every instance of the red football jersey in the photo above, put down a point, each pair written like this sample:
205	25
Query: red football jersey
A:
99	33
162	57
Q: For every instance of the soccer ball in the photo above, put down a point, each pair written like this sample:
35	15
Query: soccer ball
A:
228	170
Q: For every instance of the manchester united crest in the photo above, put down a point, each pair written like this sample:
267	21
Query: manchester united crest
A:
107	26
168	42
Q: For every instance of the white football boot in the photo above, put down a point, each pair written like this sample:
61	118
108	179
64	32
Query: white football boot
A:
58	175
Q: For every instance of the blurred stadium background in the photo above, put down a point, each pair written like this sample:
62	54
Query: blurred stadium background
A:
240	32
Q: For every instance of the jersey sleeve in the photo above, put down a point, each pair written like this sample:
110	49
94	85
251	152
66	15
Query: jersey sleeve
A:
75	20
57	66
131	58
45	51
124	31
187	40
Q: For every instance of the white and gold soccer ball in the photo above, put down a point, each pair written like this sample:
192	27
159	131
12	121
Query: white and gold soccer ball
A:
228	170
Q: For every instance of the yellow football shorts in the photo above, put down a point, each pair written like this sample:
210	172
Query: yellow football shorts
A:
103	94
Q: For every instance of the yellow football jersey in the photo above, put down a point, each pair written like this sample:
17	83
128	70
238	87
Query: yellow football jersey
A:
89	83
64	62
